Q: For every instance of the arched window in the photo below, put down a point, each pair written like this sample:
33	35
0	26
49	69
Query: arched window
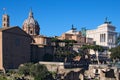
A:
31	32
4	24
4	19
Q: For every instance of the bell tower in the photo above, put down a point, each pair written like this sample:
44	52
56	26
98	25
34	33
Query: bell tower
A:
5	21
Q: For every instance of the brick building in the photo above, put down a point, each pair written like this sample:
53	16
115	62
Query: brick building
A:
14	47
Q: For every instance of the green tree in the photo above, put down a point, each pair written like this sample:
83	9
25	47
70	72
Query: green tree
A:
62	52
97	48
86	49
115	53
118	39
3	78
25	68
69	43
39	72
56	42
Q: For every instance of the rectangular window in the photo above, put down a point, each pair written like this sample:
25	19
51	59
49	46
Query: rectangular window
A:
102	37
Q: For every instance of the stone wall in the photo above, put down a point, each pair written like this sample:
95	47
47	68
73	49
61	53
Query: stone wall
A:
37	53
63	73
100	72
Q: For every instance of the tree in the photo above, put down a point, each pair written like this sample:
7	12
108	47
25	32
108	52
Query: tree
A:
86	49
97	48
118	39
115	53
39	72
69	43
25	68
3	78
56	42
61	53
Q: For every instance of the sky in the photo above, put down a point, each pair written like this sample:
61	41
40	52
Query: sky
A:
57	16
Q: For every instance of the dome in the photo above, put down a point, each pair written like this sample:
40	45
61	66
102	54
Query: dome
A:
30	25
30	20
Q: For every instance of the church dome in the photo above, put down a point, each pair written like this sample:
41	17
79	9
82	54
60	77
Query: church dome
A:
30	25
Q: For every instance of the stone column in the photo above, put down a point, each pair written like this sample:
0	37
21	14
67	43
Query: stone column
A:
107	35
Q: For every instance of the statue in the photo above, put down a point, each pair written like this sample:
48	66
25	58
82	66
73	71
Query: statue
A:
106	21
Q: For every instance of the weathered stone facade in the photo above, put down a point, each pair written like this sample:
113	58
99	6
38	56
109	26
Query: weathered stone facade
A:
102	72
99	72
63	73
